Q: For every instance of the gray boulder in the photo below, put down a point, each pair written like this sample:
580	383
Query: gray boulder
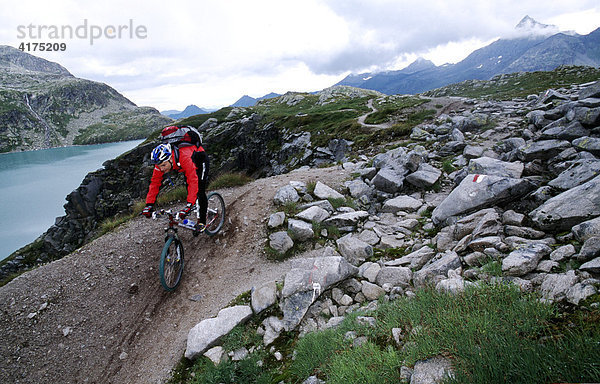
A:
372	291
298	290
590	249
438	266
555	286
431	371
489	166
354	250
358	188
280	242
263	297
543	149
395	276
206	333
388	180
569	132
401	203
590	144
325	204
524	260
300	230
481	223
276	220
589	117
578	173
562	253
346	219
587	229
580	291
285	195
425	176
592	266
592	90
325	192
313	214
414	260
570	208
479	191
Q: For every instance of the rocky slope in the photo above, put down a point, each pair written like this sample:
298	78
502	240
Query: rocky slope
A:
519	205
488	191
42	105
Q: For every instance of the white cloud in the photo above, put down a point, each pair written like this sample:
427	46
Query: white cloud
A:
211	52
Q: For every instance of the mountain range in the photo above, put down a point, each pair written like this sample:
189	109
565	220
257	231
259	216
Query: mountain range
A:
190	110
532	47
43	105
247	101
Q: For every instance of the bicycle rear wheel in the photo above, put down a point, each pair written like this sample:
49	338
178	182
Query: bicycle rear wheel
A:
170	268
215	215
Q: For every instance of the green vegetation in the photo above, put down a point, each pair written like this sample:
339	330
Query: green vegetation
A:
492	333
393	108
520	84
334	118
228	180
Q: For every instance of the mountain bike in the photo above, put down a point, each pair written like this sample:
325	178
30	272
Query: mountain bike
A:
170	268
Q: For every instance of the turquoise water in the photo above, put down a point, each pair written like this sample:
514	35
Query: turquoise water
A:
34	185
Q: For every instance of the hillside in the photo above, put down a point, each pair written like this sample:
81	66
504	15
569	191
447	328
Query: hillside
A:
271	138
42	105
474	210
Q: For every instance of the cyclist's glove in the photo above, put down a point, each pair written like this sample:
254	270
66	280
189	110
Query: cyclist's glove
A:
148	210
185	211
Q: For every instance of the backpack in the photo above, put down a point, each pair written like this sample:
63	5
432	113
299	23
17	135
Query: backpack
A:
181	136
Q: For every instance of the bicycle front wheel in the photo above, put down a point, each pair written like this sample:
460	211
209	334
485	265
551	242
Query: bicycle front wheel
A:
215	214
170	268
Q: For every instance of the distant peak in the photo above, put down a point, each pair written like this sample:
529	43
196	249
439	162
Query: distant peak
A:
528	26
418	65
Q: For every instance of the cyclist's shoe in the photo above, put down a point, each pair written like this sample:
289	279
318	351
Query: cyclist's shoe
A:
148	210
185	211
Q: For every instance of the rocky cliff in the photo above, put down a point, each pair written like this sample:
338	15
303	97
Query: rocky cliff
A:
42	105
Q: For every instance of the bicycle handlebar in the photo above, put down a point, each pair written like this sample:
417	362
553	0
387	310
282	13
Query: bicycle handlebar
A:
174	219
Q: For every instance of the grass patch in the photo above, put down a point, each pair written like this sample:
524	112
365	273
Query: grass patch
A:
492	333
495	334
228	180
313	352
240	372
366	364
169	196
447	165
342	202
519	84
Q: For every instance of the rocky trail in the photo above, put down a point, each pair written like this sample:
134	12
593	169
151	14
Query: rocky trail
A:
100	314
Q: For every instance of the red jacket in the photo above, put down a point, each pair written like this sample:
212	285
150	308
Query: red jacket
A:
185	166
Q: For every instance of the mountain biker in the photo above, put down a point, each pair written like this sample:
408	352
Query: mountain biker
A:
192	161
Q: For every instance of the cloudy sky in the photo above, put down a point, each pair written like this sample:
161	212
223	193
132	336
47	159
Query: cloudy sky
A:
211	52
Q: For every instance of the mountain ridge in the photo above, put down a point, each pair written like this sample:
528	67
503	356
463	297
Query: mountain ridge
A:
530	49
43	105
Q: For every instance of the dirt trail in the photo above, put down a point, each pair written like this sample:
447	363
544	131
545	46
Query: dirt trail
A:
361	119
100	315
